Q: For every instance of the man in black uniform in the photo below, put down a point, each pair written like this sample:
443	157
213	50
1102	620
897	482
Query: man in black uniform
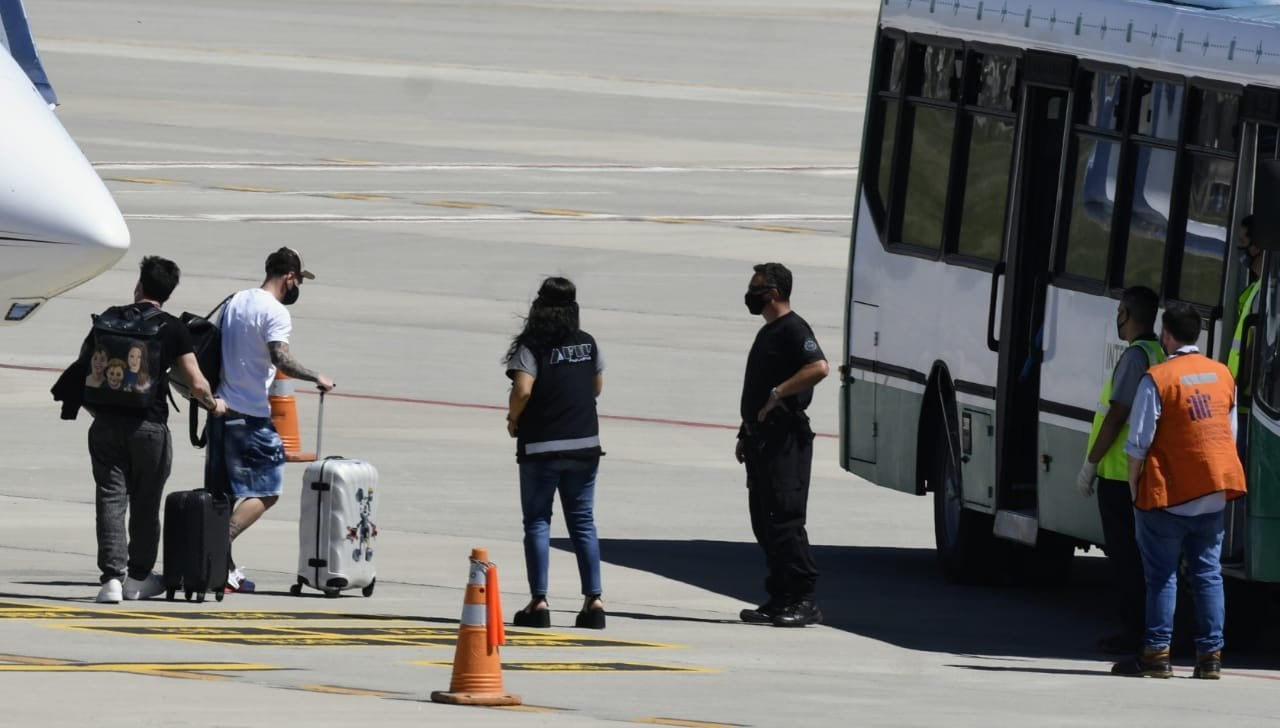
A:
776	444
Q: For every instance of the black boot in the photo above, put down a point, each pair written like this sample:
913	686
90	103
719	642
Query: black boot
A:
798	614
762	614
1148	663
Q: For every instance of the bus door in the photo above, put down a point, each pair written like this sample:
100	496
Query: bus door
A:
1044	123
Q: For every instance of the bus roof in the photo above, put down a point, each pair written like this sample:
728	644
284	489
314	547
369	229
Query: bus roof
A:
1229	40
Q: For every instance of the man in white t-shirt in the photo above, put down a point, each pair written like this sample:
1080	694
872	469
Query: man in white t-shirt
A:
245	455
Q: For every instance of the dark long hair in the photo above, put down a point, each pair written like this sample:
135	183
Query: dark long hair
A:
553	316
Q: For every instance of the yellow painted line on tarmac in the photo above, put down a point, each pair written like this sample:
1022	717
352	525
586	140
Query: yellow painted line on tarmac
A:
185	670
454	203
352	196
339	690
686	723
26	660
781	229
673	220
248	188
144	180
561	213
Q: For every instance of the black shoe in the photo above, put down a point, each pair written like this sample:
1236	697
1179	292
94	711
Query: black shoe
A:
1120	644
762	614
799	614
533	617
1148	663
591	617
1208	667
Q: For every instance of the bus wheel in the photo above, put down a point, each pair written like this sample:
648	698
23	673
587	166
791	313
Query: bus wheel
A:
963	537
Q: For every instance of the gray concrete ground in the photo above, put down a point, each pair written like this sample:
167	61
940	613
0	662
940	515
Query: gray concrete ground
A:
432	160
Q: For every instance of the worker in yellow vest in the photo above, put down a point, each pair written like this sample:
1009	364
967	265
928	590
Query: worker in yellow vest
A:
1242	342
1105	459
1183	469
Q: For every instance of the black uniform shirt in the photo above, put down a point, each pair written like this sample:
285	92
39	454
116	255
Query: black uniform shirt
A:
780	350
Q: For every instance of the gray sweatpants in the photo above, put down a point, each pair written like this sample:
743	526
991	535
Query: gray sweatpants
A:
131	462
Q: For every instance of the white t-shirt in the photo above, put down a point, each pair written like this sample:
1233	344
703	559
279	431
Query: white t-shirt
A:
249	321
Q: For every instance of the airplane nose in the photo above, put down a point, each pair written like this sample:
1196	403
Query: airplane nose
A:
56	216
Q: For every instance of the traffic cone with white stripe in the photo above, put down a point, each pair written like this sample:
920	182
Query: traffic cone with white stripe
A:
477	669
284	415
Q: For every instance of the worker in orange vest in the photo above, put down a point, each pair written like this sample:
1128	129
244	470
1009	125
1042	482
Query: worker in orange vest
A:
1183	468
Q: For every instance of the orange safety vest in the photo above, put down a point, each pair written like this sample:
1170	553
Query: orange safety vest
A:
1193	453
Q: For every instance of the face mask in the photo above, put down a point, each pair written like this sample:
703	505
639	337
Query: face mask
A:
1245	259
755	300
1120	324
291	296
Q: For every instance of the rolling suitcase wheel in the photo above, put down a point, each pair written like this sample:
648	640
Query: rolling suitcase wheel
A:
368	590
217	596
331	593
187	594
296	590
168	593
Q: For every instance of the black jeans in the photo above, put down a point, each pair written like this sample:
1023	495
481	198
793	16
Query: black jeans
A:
778	463
131	462
1115	505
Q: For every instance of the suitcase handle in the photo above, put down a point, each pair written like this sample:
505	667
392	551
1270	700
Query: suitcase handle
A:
320	427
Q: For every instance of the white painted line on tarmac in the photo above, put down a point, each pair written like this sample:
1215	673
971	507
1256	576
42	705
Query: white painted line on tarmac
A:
822	170
506	217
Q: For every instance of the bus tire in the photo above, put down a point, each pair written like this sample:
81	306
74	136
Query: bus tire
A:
963	537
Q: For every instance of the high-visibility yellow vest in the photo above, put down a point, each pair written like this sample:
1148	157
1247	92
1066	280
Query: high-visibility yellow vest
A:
1115	464
1246	308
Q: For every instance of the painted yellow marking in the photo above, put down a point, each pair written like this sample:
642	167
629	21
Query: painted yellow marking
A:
563	666
145	180
454	203
563	213
686	723
339	690
674	220
353	196
248	188
184	670
781	229
25	660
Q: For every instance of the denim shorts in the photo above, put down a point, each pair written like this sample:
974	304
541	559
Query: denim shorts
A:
245	455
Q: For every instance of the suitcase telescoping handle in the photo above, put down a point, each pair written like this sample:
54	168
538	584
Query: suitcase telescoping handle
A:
320	427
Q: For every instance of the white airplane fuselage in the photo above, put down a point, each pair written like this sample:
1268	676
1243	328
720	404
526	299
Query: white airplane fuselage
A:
59	226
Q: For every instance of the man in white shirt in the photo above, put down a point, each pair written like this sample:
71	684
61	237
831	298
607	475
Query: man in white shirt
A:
245	455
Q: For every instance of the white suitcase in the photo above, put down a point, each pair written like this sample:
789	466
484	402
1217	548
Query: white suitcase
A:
337	527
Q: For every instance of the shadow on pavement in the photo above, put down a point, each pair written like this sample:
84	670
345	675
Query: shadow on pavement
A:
897	595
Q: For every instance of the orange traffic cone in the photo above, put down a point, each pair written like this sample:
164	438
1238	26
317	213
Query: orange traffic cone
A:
284	414
477	670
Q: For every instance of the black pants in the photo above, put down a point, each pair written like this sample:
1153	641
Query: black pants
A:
131	462
1115	505
778	466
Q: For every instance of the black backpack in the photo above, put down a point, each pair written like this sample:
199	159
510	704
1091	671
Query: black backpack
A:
124	357
206	344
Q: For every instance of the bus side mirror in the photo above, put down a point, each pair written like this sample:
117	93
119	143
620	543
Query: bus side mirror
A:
1266	205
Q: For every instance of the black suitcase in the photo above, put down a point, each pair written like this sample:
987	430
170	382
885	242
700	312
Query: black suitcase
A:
196	543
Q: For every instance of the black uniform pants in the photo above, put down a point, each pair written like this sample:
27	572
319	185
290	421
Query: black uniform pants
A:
778	465
1115	505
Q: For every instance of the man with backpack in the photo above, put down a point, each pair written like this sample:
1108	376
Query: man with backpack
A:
129	442
246	456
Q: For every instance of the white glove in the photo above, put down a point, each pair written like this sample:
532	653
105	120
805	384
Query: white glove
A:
1084	481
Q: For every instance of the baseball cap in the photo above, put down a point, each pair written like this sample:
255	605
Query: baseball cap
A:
286	260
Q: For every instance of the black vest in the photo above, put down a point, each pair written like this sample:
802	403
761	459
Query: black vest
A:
560	419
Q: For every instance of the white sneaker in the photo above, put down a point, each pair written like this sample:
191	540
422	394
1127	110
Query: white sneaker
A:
152	586
110	592
238	581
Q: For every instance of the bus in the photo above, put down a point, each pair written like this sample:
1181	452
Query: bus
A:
1022	163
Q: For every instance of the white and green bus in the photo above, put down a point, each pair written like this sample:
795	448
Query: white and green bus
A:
1023	162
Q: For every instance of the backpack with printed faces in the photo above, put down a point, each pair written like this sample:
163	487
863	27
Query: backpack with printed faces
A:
124	357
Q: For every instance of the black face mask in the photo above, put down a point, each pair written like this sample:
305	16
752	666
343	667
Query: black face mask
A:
291	296
1120	324
755	298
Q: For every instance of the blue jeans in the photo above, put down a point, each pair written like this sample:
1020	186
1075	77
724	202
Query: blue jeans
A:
576	482
1164	538
245	457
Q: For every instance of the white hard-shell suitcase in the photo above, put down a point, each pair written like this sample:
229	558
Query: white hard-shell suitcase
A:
337	527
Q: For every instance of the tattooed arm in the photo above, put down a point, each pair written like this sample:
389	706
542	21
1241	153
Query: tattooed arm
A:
285	362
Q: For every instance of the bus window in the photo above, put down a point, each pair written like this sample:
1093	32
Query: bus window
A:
1103	94
1159	108
1208	220
986	187
1149	217
1093	203
928	174
1268	389
937	73
996	82
1215	125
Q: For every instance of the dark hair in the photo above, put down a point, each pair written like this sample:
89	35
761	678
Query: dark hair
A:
553	316
158	277
1143	304
1182	322
776	275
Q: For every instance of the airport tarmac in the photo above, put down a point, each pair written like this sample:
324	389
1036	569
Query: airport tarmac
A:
432	161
